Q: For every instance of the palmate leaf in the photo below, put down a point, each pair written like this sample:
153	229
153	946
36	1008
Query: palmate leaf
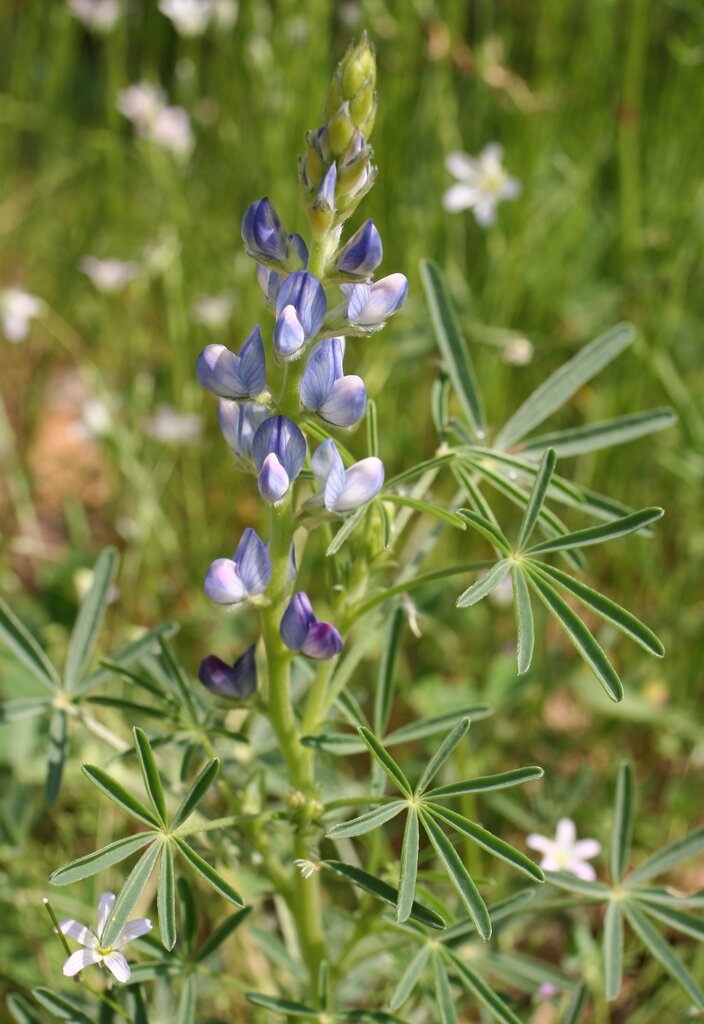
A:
678	920
89	619
208	873
536	499
127	655
193	797
598	534
484	585
18	710
486	527
487	783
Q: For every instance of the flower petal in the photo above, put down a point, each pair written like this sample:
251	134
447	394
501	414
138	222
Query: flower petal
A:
541	843
565	833
459	197
253	563
296	621
289	334
363	481
218	370
346	402
461	165
236	682
223	583
133	930
253	363
585	849
75	930
118	966
80	959
106	902
273	479
322	642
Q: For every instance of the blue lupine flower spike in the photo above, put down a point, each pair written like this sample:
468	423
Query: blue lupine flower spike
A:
344	490
234	376
279	451
231	581
236	682
300	311
362	254
339	400
303	633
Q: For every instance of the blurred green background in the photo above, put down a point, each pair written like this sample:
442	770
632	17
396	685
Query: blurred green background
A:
598	107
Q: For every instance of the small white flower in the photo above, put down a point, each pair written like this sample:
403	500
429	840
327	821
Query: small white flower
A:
141	102
17	309
306	867
96	15
189	17
169	127
518	352
225	13
565	852
89	938
482	184
213	310
110	275
170	426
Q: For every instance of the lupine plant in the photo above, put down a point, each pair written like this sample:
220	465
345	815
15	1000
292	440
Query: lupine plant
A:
276	778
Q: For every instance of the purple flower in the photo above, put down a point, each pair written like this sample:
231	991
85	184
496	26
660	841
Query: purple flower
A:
300	311
234	376
362	254
279	450
236	682
325	198
371	305
344	490
303	633
89	938
238	423
266	239
233	580
337	399
269	282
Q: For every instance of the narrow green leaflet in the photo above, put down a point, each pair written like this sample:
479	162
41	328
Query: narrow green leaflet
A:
594	436
579	635
576	1005
613	950
193	797
435	723
484	995
536	499
657	946
166	898
452	345
484	585
367	822
597	534
409	867
210	875
61	1006
678	920
428	509
58	742
441	755
498	847
346	530
17	638
525	629
560	387
596	891
622	823
89	619
221	933
476	498
443	994
383	891
386	761
150	774
284	1006
607	609
18	710
21	1011
127	655
668	857
420	467
459	876
384	693
488	530
119	795
103	858
188	914
129	894
409	979
187	1003
486	783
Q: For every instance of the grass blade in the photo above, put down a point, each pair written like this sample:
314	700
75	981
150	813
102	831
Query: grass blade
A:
366	822
525	630
490	842
622	824
452	345
409	867
613	950
580	636
443	993
668	857
16	637
58	743
441	755
409	979
486	783
594	436
129	894
193	797
559	388
166	898
597	534
150	773
386	761
105	857
210	875
484	585
89	619
658	947
383	891
537	497
459	876
120	796
607	609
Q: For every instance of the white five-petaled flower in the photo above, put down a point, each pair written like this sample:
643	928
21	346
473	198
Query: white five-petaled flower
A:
565	852
17	309
155	120
89	938
482	183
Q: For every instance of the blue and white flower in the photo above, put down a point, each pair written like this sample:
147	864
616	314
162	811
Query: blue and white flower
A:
362	254
239	422
303	633
234	376
236	682
233	580
367	307
482	184
342	490
300	311
90	938
279	451
338	399
267	241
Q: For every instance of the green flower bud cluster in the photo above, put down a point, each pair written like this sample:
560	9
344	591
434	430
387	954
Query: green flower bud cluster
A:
331	196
